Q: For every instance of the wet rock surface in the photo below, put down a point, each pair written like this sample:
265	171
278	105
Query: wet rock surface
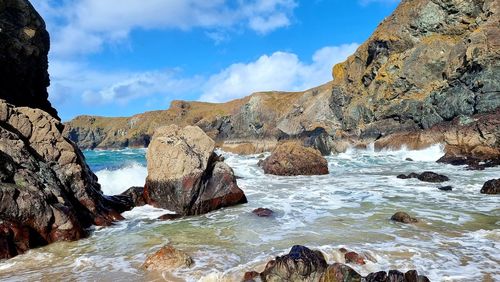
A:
491	187
290	159
167	258
186	176
403	217
263	212
427	176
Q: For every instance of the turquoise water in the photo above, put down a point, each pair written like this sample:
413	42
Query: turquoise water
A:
457	239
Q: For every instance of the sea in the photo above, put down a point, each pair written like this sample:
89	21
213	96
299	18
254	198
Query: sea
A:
457	237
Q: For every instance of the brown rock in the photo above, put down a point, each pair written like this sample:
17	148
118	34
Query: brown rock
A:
186	176
170	216
491	187
403	218
251	276
353	257
290	159
338	272
167	258
263	212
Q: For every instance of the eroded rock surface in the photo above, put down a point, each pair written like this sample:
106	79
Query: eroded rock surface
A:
185	175
167	258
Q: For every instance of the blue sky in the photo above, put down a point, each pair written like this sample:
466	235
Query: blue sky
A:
122	57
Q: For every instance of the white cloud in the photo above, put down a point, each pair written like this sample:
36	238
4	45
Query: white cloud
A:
84	26
279	71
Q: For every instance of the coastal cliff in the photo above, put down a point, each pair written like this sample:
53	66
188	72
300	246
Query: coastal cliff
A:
428	64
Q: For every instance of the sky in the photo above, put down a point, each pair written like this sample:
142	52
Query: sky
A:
123	57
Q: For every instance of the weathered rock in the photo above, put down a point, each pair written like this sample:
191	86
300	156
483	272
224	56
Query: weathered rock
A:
427	176
48	192
186	176
353	257
136	195
491	187
263	212
167	258
338	272
24	45
403	218
446	188
293	159
301	264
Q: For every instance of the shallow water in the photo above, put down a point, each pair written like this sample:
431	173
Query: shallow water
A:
458	238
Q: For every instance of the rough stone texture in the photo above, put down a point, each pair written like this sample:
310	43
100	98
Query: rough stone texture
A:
185	175
355	258
24	45
403	218
291	158
301	264
491	187
338	272
47	191
136	196
167	258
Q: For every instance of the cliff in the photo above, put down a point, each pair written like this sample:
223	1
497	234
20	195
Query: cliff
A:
428	64
47	191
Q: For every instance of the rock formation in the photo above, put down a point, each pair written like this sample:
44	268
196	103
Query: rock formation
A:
293	159
47	191
426	176
303	264
429	71
185	175
491	187
24	45
167	258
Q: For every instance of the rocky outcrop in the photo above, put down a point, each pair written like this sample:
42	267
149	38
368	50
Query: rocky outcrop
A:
185	175
167	258
427	176
491	187
303	264
47	191
24	45
403	218
291	158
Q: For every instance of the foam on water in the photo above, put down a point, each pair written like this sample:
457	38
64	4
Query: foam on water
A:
457	238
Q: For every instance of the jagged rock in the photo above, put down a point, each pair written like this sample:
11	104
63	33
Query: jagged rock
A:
427	176
136	196
185	175
403	218
24	45
300	264
293	159
48	192
167	258
491	187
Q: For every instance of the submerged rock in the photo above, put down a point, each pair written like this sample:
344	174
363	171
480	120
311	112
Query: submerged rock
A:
186	176
293	159
427	176
263	212
167	258
403	218
300	264
491	187
170	216
446	188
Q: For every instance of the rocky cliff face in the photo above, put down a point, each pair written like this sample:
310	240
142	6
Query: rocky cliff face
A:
47	191
429	63
24	45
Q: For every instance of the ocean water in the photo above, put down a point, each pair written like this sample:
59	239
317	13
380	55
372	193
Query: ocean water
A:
457	238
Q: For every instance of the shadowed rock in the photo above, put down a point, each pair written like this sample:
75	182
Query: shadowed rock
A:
186	176
290	159
427	176
491	187
403	218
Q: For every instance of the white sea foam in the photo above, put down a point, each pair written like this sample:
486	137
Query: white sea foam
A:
114	182
145	212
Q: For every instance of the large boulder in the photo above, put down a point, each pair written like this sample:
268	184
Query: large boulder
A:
291	158
491	187
24	45
48	192
186	175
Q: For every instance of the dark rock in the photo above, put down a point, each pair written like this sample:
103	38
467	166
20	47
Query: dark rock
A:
24	45
403	218
409	159
301	264
170	216
136	195
446	188
290	159
427	176
340	272
380	276
263	212
353	257
251	276
491	187
196	181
